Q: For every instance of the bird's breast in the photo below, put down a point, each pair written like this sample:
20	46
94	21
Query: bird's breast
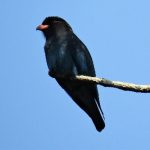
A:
59	59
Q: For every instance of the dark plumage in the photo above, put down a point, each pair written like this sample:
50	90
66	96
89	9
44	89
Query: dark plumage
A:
66	55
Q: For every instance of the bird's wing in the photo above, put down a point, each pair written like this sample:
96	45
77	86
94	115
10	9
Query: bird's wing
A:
84	94
84	64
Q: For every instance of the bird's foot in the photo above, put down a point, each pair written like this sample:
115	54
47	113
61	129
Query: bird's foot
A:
51	74
54	75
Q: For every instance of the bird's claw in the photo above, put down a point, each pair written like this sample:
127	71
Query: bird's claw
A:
51	74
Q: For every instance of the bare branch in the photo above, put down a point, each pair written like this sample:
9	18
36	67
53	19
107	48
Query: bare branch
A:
115	84
108	83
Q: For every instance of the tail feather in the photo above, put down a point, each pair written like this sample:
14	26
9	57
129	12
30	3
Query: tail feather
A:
99	124
98	119
82	95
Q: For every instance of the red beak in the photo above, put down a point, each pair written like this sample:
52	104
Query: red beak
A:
42	27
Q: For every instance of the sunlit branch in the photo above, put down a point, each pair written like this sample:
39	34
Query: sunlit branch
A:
108	83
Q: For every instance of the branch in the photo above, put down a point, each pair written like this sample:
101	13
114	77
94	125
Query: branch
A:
108	83
115	84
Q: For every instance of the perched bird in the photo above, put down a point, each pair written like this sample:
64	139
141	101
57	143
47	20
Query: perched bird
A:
67	56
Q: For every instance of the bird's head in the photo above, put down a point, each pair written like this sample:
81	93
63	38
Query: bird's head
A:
54	26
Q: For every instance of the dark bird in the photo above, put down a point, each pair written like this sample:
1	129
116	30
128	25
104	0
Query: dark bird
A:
67	56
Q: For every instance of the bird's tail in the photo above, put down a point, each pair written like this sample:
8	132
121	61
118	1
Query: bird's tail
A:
98	119
82	95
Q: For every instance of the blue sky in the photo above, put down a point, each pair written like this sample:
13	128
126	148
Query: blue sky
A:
36	114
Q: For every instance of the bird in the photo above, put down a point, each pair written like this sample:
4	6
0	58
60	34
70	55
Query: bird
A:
67	56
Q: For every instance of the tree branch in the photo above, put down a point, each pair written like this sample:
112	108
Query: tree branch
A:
115	84
108	83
